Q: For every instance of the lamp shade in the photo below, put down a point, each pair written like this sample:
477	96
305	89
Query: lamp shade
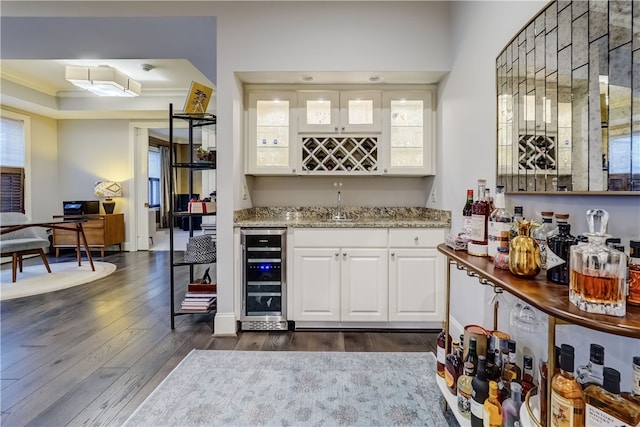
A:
108	189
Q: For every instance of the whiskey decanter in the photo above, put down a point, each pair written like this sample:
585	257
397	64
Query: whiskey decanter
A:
597	280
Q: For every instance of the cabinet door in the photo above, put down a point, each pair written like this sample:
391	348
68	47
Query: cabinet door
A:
408	128
271	145
416	285
360	111
316	284
318	111
364	285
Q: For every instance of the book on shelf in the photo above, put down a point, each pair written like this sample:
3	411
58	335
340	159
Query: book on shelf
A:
200	287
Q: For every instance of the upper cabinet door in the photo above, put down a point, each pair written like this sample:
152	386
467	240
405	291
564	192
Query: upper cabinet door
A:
271	146
332	112
409	130
360	111
319	111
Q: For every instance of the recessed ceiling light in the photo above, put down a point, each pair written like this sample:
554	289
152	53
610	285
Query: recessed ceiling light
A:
374	79
306	78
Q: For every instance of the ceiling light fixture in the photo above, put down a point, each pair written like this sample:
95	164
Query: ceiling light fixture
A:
102	80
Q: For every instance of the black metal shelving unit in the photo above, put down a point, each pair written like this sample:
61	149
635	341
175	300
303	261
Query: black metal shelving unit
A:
176	257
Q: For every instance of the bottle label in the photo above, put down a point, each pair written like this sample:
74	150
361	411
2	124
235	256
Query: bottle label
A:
478	228
553	260
477	409
562	411
498	236
595	417
464	401
441	355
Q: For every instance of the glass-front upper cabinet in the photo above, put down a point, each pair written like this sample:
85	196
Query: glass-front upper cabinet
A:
339	112
408	123
271	147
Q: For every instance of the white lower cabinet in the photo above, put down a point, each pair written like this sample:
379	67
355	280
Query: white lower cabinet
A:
416	275
367	275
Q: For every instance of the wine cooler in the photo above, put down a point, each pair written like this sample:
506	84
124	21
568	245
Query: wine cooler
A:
263	279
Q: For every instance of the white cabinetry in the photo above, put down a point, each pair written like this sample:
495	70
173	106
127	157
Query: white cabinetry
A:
328	112
340	275
416	275
271	144
409	132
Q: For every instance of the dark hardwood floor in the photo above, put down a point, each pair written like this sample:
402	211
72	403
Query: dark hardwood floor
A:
90	355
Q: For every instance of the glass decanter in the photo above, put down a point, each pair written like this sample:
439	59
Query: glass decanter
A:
597	280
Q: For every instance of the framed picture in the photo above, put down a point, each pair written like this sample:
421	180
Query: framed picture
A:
198	99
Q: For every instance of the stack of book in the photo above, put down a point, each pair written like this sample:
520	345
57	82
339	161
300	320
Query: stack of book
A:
200	298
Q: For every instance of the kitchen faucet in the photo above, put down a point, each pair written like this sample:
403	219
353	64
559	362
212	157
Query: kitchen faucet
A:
339	214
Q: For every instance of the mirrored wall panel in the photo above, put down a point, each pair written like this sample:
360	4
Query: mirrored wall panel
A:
568	88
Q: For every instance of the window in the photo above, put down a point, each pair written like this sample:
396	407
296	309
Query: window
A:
12	162
154	178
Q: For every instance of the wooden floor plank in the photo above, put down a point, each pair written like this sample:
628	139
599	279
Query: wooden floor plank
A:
91	354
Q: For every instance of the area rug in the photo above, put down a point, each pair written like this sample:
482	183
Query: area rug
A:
245	388
35	280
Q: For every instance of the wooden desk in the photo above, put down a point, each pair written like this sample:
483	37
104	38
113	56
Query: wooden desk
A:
101	231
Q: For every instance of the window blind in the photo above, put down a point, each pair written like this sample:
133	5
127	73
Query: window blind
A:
12	162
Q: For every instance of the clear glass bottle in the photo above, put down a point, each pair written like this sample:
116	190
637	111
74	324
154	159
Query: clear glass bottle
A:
634	272
541	234
558	246
518	215
443	348
492	407
479	393
453	367
597	271
499	225
479	219
472	354
567	400
465	390
591	373
605	406
511	407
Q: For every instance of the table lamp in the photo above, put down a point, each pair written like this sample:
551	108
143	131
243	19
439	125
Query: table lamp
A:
108	189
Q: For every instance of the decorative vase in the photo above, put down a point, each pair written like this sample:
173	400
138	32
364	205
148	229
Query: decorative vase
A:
524	252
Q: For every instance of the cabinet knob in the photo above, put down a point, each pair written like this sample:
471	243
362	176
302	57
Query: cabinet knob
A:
416	239
293	170
336	129
343	128
344	255
337	254
393	254
385	170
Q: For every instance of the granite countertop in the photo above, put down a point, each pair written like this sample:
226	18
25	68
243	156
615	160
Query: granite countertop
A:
356	217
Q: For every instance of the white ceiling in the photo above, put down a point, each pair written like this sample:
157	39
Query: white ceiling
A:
39	86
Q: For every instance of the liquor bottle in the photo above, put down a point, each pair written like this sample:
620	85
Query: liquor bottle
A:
515	372
528	382
544	378
492	407
443	348
504	382
591	373
598	272
634	272
453	367
465	389
518	216
479	393
499	225
472	355
466	215
605	406
511	407
541	234
567	400
479	219
558	246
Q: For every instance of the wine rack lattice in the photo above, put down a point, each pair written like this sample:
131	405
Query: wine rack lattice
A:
348	154
536	152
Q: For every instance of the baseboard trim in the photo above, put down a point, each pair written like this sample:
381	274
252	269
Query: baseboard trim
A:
225	325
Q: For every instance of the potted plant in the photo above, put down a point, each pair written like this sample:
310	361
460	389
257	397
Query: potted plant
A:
203	155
